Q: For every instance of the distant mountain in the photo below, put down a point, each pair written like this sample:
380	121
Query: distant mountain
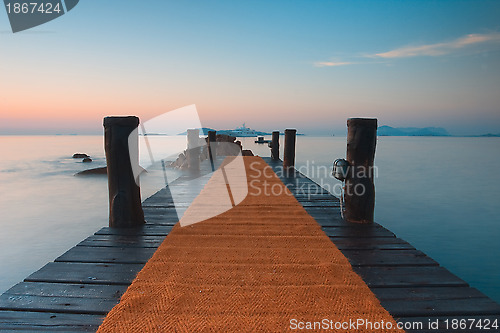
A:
411	131
489	135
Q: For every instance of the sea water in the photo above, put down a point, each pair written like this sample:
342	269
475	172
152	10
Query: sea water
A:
439	193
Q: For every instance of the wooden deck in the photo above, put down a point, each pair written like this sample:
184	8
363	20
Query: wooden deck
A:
74	292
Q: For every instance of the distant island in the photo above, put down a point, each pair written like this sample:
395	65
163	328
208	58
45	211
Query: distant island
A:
425	131
411	131
490	135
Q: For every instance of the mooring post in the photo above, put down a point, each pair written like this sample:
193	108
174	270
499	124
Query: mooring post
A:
193	149
359	187
275	146
125	209
289	150
212	147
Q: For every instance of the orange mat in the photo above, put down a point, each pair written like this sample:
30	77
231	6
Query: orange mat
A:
263	266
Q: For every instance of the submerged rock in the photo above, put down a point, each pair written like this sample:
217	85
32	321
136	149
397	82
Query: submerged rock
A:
96	171
87	160
99	171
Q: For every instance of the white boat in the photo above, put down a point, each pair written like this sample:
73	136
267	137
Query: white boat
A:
244	131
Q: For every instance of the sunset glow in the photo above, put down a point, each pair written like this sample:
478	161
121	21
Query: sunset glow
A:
269	64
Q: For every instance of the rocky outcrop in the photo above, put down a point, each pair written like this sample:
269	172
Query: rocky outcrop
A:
222	149
181	162
80	155
96	171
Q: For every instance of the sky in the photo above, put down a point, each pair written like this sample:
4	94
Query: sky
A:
275	64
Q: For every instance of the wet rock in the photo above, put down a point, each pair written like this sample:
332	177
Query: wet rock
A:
96	171
87	160
80	155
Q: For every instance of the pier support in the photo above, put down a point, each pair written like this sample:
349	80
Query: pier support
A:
289	150
275	146
193	149
125	209
212	147
360	190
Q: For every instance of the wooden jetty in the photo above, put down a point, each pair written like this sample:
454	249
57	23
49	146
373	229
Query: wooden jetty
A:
80	287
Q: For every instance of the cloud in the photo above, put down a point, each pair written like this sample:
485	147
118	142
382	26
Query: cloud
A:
467	42
332	63
439	49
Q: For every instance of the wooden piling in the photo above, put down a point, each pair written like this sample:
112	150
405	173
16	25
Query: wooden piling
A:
360	190
125	209
289	150
212	147
193	149
275	146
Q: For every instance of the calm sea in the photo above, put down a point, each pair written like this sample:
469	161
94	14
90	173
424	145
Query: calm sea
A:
440	194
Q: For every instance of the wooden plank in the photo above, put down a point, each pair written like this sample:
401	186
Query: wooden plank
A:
122	255
388	258
406	308
331	221
159	217
421	276
67	290
307	189
35	329
147	229
357	232
324	212
320	204
427	293
380	243
166	205
320	197
65	272
436	301
158	210
161	220
123	241
59	304
48	322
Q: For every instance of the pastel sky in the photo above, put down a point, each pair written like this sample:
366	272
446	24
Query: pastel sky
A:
272	64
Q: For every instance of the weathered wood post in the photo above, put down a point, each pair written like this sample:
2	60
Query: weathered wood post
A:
359	187
193	149
275	146
289	150
125	209
212	147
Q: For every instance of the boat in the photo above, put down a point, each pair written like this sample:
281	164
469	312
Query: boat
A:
244	131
